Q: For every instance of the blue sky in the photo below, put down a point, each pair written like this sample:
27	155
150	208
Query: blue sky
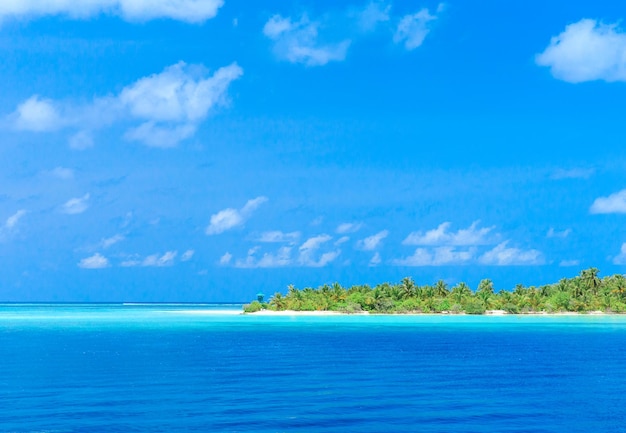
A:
205	150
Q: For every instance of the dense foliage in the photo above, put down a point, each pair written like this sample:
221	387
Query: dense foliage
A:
583	293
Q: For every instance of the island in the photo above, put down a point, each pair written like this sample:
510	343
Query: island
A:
585	293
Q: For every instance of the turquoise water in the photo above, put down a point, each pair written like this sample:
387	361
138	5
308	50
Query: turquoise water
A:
128	368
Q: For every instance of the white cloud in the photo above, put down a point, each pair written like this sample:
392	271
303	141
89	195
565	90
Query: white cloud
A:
38	115
226	258
174	101
108	242
614	203
375	260
62	173
229	218
587	50
500	255
163	109
371	243
413	28
276	236
436	257
192	11
348	228
187	255
12	221
97	261
374	13
441	236
620	259
568	263
76	205
269	260
297	42
155	260
309	250
558	234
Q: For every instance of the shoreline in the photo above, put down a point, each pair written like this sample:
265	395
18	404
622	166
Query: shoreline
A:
366	313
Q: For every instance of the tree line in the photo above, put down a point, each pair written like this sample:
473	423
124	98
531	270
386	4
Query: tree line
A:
583	293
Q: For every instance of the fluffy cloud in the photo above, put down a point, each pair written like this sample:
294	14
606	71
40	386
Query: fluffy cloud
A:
76	205
277	236
436	257
192	11
615	203
620	259
165	108
568	263
155	260
297	42
229	218
38	115
97	261
226	258
371	243
501	255
441	236
269	260
413	28
585	51
309	254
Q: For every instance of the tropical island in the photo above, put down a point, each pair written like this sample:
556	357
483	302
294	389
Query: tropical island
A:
585	293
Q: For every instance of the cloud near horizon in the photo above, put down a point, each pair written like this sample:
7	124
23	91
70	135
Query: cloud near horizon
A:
229	218
501	255
190	11
311	253
587	50
442	236
439	256
159	110
370	243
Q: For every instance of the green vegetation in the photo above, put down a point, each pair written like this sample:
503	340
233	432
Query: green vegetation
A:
583	293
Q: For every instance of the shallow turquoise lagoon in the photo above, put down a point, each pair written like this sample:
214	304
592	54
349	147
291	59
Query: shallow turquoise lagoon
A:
179	368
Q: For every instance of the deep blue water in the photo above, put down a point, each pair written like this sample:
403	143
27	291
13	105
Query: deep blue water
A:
158	368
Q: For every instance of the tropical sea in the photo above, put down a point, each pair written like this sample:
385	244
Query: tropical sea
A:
185	368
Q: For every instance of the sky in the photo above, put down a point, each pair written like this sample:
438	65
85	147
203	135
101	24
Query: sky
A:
207	150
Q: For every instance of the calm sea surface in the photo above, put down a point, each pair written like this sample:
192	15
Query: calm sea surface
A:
167	368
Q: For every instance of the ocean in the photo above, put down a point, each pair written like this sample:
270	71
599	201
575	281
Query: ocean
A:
194	368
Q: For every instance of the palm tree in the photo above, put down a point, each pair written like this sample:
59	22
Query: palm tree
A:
460	292
408	287
441	289
590	279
